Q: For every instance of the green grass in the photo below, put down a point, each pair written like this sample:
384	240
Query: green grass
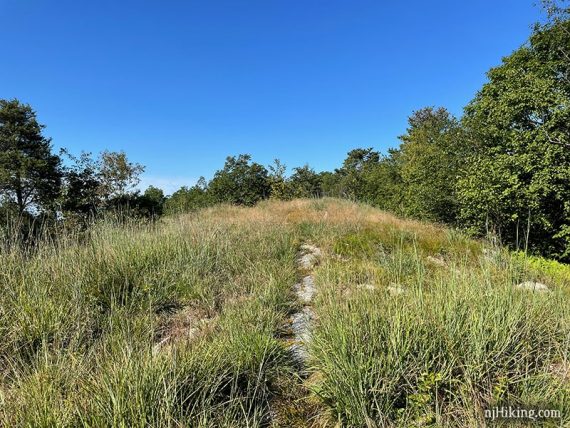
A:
461	337
80	324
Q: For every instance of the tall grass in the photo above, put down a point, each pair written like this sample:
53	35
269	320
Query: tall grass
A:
459	339
79	324
184	323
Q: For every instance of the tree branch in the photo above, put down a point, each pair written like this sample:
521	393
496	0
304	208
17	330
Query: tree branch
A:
556	141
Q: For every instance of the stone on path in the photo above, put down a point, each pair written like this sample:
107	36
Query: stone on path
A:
395	289
310	256
301	326
306	290
533	286
301	321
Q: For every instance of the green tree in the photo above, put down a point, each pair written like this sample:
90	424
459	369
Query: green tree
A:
151	202
430	158
241	181
188	199
30	174
330	184
383	185
305	183
557	10
352	174
517	182
278	181
117	174
81	188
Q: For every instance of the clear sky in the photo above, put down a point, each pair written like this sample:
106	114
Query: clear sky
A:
181	84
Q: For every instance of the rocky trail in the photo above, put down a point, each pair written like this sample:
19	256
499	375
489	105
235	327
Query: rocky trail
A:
305	290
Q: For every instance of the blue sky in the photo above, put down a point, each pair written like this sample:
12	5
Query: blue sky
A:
179	85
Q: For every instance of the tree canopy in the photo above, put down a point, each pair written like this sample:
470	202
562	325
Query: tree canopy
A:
517	180
241	181
30	174
430	157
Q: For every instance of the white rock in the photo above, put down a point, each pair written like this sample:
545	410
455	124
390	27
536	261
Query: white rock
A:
308	261
301	322
309	256
306	289
533	286
395	289
311	249
301	326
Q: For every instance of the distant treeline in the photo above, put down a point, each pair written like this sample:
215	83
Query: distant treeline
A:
502	168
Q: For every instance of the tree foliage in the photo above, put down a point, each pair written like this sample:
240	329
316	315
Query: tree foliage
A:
82	187
188	199
278	181
241	182
117	174
429	158
152	202
92	186
353	174
517	181
383	184
30	174
305	183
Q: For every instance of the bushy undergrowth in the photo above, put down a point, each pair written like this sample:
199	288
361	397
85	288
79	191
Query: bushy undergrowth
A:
183	323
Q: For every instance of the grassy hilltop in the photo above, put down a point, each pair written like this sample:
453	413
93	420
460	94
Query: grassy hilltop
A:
186	322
